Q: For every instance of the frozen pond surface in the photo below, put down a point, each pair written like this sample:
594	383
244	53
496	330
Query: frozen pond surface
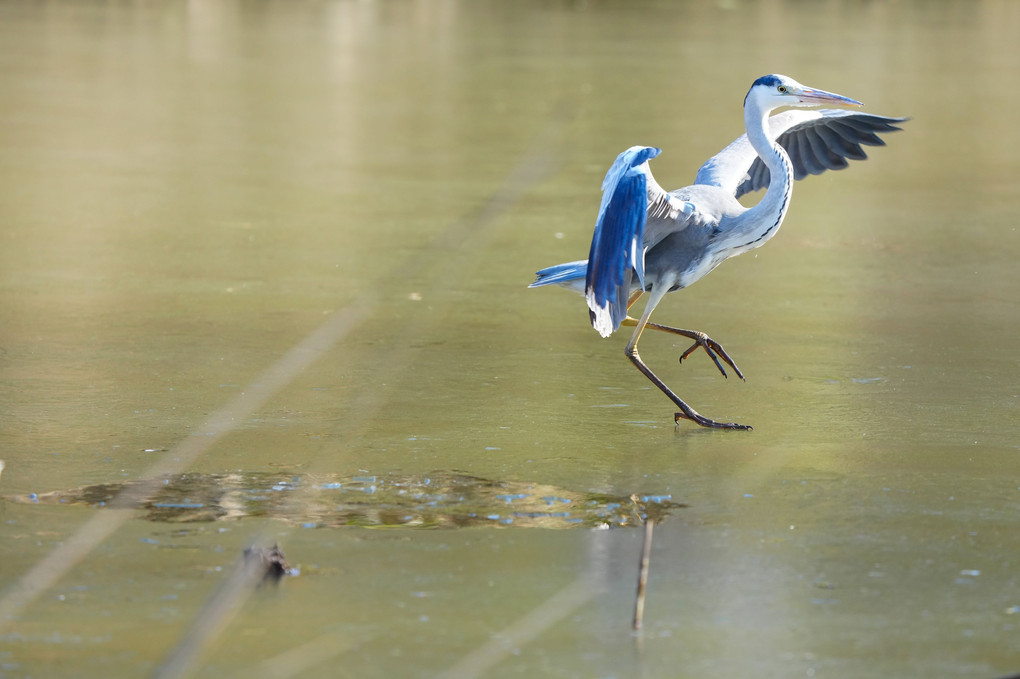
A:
280	251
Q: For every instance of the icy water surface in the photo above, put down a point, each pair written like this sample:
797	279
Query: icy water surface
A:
263	275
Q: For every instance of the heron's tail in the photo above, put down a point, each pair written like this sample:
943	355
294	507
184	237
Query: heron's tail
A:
569	275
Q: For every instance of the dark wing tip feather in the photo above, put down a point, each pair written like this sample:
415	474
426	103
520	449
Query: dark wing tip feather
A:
837	140
828	158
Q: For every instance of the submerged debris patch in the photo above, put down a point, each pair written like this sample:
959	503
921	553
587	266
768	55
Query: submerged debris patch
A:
435	500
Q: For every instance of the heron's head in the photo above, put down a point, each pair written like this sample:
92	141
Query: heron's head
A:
773	91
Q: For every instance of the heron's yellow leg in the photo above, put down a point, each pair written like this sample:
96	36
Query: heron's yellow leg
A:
630	302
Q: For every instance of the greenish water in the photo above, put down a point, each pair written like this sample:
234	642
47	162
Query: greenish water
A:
189	191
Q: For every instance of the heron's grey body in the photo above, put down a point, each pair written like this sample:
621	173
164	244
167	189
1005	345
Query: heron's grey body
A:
650	240
682	256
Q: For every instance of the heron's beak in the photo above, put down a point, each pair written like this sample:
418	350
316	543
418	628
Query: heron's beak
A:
810	96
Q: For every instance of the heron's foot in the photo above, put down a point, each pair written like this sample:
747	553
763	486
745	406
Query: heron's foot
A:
701	340
714	350
706	422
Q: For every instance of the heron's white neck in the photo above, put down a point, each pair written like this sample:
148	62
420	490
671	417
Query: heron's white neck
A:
754	227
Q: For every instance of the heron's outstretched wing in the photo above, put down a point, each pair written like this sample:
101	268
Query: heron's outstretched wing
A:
630	196
816	141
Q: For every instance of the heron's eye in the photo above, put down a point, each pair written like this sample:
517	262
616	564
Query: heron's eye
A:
781	89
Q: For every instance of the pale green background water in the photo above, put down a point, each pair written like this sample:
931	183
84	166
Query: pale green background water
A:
188	190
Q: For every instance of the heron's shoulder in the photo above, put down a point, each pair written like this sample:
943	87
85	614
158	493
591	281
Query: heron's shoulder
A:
711	201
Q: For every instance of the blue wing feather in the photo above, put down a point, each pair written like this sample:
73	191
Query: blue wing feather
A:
616	246
570	275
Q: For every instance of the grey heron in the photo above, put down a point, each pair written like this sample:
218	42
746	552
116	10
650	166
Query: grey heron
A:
649	240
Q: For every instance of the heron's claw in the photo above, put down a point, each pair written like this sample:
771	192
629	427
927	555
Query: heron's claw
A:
715	351
706	422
